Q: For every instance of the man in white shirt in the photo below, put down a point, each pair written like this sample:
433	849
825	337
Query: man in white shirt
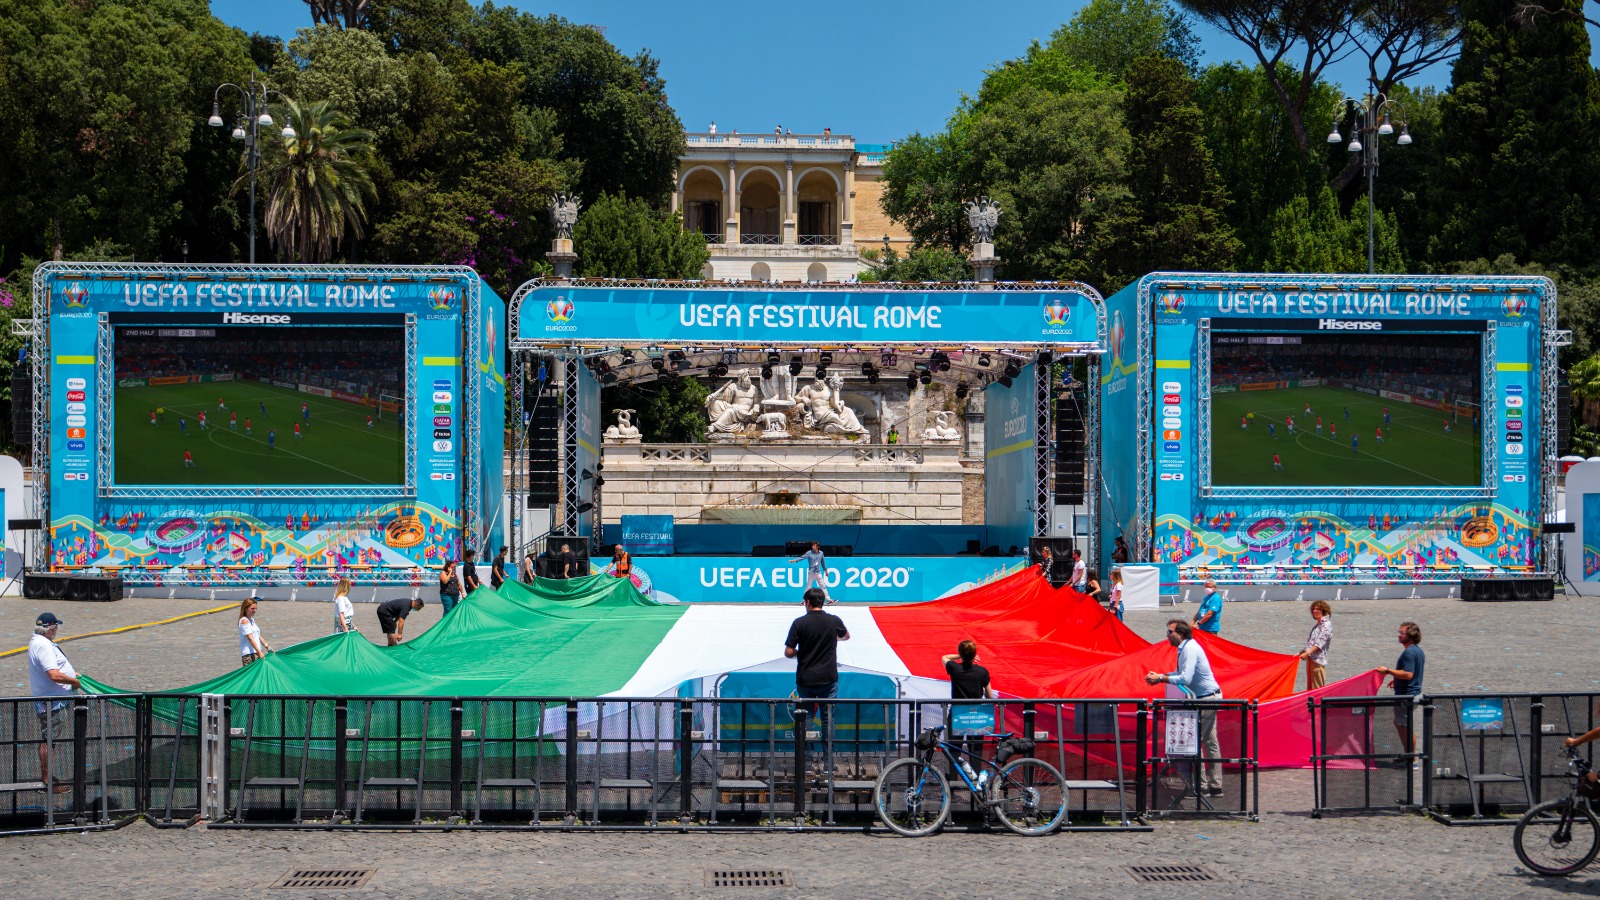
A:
1080	573
50	676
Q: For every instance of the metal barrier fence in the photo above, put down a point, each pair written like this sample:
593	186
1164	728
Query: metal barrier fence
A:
1364	754
615	763
1201	759
70	764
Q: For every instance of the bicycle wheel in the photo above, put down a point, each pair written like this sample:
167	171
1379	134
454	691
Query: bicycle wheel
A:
1030	796
1557	838
912	797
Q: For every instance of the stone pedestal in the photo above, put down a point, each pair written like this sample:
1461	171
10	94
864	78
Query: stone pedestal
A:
983	263
561	257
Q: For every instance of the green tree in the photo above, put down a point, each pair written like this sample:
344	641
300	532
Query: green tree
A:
619	237
1578	306
921	264
316	183
1520	131
1175	216
1309	234
671	410
1109	36
352	71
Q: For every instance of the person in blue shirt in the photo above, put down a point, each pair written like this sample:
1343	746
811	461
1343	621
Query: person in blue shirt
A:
1209	616
1194	676
1355	444
1406	678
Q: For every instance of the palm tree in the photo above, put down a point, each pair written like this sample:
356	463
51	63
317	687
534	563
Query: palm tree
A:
316	182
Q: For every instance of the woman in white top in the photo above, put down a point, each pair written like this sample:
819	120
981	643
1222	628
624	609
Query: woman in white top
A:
344	613
1116	593
252	646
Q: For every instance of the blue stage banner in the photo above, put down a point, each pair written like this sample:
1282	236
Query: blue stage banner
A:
647	535
1009	434
831	318
856	579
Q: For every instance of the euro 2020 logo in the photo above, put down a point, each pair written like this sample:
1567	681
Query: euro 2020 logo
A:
1170	303
441	299
1056	313
76	296
559	310
1118	332
1514	306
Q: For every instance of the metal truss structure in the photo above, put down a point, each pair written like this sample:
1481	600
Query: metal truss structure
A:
571	354
1551	340
1094	468
37	330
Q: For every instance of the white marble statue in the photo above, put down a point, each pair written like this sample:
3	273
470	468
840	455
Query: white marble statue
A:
624	432
941	430
777	392
732	407
825	410
775	426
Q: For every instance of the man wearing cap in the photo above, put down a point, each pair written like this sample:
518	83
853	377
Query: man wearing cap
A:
50	675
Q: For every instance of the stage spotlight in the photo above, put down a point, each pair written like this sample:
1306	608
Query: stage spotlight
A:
584	507
608	378
1013	368
766	371
1005	381
867	368
983	360
658	364
1045	358
719	370
677	356
586	475
598	481
822	371
772	357
886	358
826	358
872	377
911	381
961	391
627	357
926	377
795	366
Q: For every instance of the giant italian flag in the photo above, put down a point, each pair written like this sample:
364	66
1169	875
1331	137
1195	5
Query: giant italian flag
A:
598	636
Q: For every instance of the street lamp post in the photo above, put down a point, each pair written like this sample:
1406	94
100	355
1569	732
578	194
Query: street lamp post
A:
247	127
1374	116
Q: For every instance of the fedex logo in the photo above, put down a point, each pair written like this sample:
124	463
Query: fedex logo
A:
442	397
1513	402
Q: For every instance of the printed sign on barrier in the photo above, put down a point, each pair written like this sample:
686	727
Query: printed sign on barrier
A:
1183	732
972	719
1483	715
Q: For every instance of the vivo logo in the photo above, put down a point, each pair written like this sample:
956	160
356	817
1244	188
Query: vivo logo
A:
1347	325
234	318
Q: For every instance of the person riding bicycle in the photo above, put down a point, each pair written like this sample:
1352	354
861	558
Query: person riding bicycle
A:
1584	739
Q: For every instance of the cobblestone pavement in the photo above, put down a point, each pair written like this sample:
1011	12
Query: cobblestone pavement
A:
1282	856
1471	646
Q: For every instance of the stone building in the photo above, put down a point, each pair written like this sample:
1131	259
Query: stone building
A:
784	207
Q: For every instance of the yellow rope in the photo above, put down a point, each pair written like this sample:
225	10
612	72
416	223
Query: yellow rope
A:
75	637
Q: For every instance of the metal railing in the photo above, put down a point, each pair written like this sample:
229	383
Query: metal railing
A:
1364	755
760	239
714	237
1199	759
92	746
819	240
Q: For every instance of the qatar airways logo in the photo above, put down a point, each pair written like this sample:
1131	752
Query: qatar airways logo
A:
1347	325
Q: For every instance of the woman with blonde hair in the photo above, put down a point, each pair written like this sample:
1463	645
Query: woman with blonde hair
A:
252	646
344	613
1316	651
1116	593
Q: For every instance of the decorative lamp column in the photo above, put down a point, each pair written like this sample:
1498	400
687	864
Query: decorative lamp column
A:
564	214
983	214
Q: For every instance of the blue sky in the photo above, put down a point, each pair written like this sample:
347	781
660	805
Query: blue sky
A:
876	71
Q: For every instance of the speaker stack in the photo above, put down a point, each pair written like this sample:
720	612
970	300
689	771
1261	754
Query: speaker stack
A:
1490	590
544	441
22	410
1060	557
56	586
580	553
1071	453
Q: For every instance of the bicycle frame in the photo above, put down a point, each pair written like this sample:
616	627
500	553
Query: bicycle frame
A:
953	752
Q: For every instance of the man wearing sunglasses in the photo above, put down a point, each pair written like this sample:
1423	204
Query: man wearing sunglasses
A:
1194	676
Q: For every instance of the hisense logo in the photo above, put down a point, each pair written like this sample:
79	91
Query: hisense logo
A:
234	318
1347	325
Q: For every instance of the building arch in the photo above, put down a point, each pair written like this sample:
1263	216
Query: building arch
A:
776	178
761	206
816	272
761	272
701	192
683	177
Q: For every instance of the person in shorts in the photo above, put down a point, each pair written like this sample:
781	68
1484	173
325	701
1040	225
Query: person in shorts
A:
1406	678
392	617
50	676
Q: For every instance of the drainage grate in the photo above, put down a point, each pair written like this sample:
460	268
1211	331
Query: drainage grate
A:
1164	874
741	878
324	878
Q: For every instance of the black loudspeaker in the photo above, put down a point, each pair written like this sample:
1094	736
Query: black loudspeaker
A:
1491	590
799	548
544	444
1071	452
1563	414
1060	557
22	410
95	589
1560	527
767	550
580	553
24	524
44	586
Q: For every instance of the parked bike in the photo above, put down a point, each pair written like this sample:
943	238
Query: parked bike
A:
1029	795
1562	836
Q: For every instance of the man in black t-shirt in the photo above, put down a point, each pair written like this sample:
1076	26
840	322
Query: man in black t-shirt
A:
968	680
469	572
568	563
497	571
813	643
392	617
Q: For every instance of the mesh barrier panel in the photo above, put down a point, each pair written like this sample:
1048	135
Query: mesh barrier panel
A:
91	748
1362	757
1480	753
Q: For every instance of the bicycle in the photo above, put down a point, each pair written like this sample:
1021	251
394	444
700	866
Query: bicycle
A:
913	797
1564	832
